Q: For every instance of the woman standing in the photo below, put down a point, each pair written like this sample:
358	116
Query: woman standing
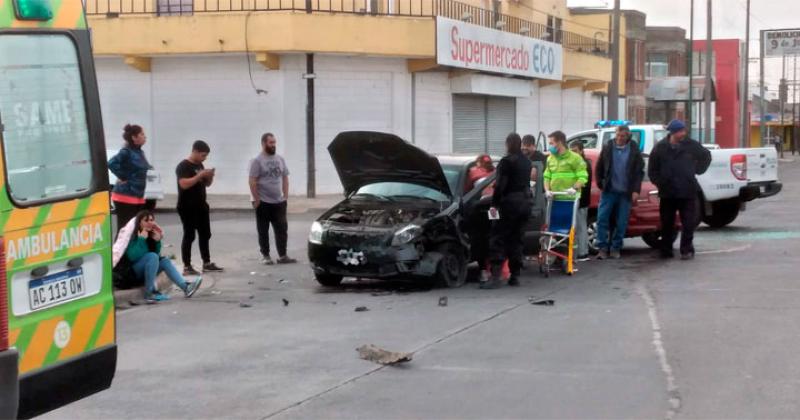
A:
144	252
130	167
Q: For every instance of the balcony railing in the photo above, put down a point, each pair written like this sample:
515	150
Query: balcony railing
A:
403	8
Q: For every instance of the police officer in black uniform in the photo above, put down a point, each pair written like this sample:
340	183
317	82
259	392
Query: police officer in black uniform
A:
513	200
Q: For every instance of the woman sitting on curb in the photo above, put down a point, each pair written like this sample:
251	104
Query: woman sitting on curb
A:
141	241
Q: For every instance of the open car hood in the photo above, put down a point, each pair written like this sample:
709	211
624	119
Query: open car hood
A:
367	157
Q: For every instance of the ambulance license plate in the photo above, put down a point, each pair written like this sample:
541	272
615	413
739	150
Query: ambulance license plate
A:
56	288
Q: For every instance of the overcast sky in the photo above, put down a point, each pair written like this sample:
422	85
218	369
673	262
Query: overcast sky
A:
729	18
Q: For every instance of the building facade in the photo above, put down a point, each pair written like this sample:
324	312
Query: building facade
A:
226	71
666	57
726	110
632	55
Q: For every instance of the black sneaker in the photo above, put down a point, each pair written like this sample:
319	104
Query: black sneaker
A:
666	255
286	260
687	256
513	281
211	267
188	270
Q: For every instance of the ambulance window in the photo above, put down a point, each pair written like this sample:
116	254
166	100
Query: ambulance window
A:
43	118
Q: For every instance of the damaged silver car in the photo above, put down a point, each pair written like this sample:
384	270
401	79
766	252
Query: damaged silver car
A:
406	214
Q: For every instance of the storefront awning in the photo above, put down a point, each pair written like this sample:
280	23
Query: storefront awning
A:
676	89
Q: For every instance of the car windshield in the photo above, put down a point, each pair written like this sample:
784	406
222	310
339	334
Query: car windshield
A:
451	173
401	189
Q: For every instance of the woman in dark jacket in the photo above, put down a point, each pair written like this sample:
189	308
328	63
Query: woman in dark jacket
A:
130	166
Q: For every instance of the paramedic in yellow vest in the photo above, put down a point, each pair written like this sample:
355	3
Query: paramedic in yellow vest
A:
566	170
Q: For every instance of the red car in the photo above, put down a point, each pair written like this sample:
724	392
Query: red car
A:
644	220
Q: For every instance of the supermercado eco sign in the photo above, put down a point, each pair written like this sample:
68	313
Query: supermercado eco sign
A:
460	44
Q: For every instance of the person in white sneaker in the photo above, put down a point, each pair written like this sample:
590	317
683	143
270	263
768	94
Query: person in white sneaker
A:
269	188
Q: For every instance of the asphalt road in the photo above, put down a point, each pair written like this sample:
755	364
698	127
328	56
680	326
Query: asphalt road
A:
638	338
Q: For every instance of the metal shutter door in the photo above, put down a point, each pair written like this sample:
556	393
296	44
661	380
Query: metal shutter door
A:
501	121
469	124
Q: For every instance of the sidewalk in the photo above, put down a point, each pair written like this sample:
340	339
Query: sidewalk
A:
241	202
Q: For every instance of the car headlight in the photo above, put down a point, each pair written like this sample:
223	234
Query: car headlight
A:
315	237
406	235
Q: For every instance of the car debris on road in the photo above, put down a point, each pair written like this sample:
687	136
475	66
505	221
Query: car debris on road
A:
384	357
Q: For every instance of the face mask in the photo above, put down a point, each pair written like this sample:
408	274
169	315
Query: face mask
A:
553	150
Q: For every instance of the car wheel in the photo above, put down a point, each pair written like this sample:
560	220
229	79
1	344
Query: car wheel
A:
723	213
652	239
331	280
452	270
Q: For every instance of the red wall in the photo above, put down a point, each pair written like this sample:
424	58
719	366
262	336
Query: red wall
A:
727	79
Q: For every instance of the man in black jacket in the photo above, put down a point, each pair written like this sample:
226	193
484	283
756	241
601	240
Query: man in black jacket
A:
513	200
619	173
674	164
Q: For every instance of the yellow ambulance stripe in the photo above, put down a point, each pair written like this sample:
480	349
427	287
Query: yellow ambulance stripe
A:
67	16
81	331
40	344
13	334
63	211
100	204
106	336
21	219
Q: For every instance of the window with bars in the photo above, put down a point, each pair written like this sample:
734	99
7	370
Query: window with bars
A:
657	65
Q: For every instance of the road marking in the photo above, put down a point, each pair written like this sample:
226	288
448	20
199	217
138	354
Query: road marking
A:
661	352
726	251
381	367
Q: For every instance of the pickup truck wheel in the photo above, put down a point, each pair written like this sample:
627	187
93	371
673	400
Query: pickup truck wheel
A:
652	239
452	270
722	214
330	280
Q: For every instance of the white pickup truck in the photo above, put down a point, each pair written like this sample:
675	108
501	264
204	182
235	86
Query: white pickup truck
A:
735	176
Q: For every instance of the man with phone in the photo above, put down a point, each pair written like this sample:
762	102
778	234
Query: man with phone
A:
193	209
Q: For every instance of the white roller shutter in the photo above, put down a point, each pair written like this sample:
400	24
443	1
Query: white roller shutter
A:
469	124
501	121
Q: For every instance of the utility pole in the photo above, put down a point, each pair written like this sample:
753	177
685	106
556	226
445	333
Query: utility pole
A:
794	107
710	120
613	94
783	89
690	115
762	124
744	136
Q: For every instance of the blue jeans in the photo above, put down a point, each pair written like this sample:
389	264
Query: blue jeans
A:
150	265
618	206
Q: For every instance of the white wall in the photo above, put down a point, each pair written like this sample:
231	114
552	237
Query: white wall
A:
550	100
572	111
124	99
593	104
184	99
528	113
355	94
211	99
433	111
